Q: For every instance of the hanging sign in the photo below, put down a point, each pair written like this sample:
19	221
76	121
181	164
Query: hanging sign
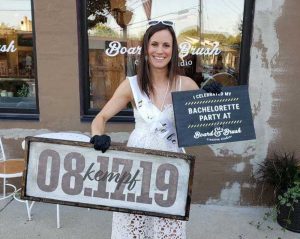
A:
123	179
206	118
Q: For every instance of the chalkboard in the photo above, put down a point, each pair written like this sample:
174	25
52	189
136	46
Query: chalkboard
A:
205	118
123	179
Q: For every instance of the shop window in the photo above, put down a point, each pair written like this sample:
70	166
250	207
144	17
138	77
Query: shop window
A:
213	37
17	61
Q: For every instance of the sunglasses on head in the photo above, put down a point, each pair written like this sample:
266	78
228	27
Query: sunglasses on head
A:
155	22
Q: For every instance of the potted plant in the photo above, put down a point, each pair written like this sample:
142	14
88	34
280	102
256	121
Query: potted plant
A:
281	171
288	208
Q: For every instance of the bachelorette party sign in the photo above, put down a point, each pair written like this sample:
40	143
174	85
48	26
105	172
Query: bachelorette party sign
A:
207	118
123	179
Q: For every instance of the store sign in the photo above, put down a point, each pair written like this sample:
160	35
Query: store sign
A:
131	180
206	118
9	48
185	48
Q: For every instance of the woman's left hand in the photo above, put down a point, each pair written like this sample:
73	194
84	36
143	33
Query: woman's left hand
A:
101	142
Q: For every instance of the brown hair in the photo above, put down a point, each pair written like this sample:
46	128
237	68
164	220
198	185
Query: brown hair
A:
143	75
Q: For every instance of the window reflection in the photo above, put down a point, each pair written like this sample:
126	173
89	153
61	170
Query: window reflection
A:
17	70
208	33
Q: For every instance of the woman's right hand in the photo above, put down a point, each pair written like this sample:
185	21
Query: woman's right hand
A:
101	142
119	101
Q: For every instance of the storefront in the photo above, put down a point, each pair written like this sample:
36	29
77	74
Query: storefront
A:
61	61
209	46
17	69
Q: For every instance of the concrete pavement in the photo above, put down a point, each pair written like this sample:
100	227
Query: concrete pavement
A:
206	222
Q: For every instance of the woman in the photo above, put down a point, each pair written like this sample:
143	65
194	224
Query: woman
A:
150	94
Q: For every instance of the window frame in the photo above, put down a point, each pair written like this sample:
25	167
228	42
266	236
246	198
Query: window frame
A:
19	113
249	8
127	114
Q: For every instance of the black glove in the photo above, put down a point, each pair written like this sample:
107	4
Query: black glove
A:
213	87
101	142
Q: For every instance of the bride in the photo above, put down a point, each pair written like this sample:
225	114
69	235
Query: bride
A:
150	94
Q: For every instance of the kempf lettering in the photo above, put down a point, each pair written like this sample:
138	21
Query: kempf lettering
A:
109	176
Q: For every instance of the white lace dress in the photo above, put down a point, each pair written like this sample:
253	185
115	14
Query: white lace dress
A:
154	129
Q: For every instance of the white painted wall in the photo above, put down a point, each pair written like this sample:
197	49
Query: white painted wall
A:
262	85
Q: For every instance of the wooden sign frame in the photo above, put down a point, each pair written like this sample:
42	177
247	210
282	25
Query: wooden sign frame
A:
33	145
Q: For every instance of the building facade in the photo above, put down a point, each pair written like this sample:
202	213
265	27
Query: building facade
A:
57	59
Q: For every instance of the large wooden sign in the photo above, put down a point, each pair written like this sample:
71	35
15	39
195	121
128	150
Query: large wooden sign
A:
150	182
206	118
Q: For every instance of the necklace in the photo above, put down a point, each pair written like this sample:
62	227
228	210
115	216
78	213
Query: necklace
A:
164	97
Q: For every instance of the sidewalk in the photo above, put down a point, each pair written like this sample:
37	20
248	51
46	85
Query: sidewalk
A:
206	222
